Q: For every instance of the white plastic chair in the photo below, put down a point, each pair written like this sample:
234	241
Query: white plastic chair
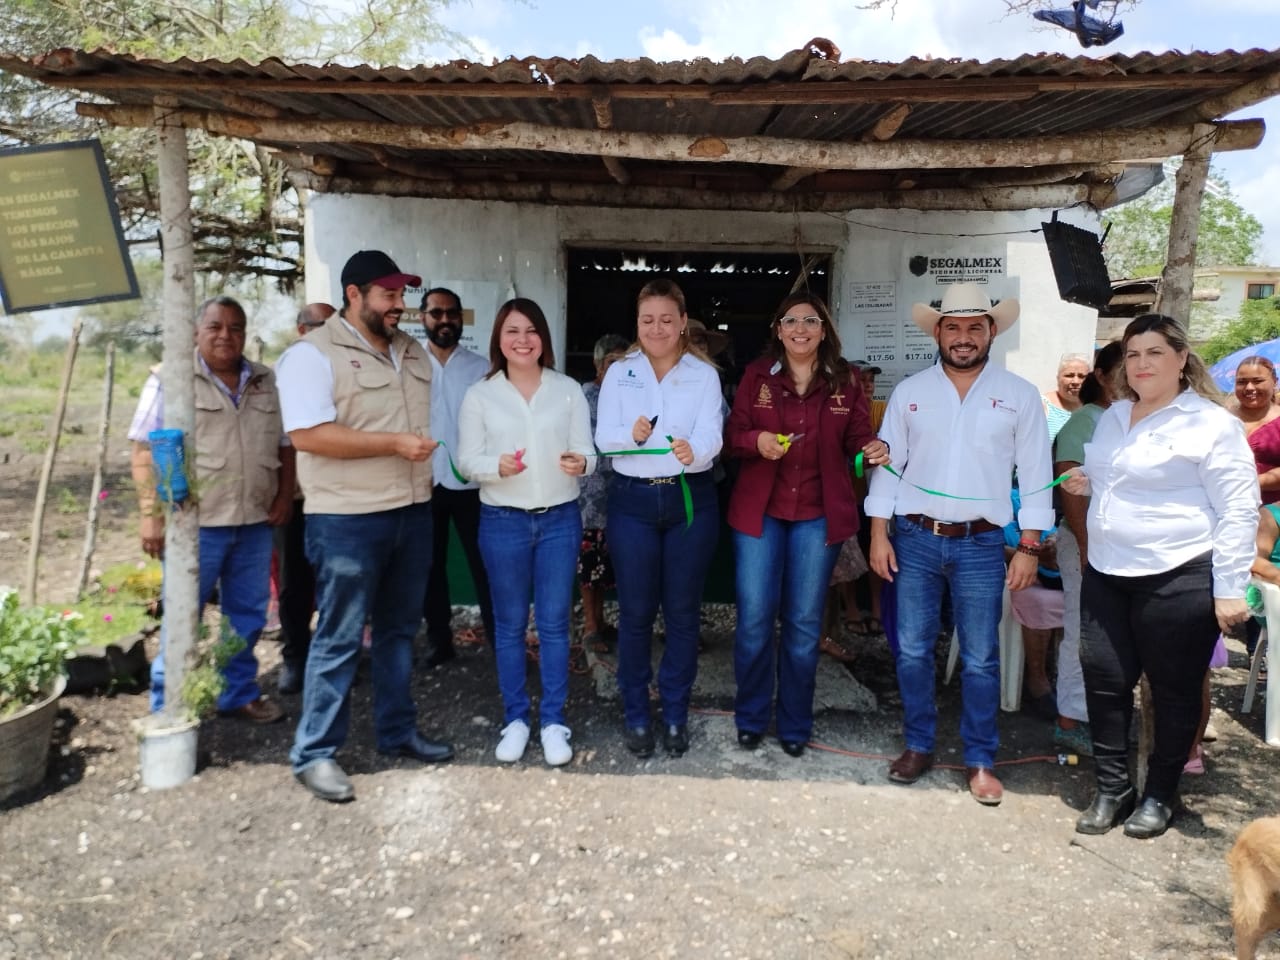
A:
1268	647
1011	659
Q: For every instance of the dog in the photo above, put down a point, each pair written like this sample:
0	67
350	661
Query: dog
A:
1255	882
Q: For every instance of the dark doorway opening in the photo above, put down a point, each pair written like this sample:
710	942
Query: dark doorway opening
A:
736	293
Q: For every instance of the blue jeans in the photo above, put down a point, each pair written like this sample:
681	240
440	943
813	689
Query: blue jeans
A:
238	558
368	566
531	558
784	571
659	562
973	569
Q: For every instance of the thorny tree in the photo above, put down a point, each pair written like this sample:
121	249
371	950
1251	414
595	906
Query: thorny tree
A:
246	216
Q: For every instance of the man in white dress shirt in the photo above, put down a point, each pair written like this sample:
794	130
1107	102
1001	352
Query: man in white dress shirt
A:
957	431
454	369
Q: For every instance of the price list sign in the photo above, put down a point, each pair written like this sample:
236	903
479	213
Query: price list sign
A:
60	239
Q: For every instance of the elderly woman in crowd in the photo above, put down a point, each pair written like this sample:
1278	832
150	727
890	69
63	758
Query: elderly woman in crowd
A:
797	420
1071	731
1171	537
595	569
1064	399
525	434
663	396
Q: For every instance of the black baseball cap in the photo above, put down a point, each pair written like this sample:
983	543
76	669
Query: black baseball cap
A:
374	266
867	365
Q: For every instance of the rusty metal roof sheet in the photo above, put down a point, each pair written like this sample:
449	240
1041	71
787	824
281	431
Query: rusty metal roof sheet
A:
806	95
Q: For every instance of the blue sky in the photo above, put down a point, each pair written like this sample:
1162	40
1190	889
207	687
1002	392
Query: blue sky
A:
968	29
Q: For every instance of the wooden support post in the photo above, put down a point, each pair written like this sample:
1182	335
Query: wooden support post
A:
1184	227
95	495
46	473
177	379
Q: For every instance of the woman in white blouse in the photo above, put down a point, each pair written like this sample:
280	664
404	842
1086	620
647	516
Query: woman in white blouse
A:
1171	538
524	433
662	396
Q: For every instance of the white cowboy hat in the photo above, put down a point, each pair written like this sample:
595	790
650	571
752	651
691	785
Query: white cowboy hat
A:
965	300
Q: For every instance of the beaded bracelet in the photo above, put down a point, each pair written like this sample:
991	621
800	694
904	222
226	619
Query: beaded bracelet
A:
1030	549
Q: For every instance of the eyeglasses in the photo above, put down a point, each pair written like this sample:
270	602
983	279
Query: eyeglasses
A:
789	322
453	313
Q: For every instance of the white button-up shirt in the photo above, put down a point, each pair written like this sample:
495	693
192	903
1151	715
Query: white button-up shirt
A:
304	377
449	384
1175	485
965	448
495	419
687	403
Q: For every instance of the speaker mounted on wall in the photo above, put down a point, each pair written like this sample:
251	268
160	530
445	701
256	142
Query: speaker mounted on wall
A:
1078	266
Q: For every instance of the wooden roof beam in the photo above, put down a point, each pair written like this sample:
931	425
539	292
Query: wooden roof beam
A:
603	107
1245	95
686	198
791	176
887	127
1099	146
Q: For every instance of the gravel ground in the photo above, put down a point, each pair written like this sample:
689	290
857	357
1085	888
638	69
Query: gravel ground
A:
723	853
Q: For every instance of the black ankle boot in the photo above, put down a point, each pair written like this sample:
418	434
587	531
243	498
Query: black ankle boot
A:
1105	812
1150	819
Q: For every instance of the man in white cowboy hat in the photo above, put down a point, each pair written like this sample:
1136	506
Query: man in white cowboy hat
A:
957	431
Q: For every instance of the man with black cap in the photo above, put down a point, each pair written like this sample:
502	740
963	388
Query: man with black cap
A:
454	369
356	399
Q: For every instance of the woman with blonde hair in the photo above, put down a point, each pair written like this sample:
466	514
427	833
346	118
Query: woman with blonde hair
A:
662	516
1171	538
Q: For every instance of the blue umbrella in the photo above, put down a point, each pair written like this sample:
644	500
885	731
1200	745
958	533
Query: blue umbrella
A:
1224	371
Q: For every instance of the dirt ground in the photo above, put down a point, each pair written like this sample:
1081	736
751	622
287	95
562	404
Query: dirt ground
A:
723	853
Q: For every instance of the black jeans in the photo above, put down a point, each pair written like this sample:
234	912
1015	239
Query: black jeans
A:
463	508
1162	625
297	588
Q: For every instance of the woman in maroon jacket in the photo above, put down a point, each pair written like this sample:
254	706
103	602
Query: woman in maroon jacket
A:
797	420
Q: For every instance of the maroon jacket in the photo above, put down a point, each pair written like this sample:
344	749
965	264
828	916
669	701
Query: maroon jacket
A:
844	428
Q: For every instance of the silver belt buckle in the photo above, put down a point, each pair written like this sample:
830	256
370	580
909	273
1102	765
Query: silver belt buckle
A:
937	525
662	480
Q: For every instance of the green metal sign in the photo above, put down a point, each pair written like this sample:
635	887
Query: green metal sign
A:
60	237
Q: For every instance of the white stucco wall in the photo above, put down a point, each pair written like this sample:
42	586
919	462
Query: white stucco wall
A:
489	252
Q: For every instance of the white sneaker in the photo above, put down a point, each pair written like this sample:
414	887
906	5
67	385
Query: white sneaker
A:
555	745
515	737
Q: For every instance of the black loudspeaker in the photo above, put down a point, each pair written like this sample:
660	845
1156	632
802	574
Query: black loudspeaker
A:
1078	266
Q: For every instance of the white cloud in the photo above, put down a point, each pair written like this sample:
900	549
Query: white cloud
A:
1257	195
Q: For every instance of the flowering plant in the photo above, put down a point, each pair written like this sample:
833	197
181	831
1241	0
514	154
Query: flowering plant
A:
34	645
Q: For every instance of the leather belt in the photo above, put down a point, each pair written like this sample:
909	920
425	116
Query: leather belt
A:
943	528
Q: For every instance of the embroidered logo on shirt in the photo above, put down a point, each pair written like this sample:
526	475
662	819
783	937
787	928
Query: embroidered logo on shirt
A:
838	397
630	372
764	398
999	404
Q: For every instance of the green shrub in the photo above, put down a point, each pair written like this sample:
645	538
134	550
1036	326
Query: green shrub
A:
205	682
34	644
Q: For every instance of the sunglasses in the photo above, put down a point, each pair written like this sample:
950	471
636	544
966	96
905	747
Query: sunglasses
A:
453	313
789	322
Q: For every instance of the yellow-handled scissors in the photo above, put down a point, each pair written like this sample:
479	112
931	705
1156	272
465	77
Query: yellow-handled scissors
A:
786	440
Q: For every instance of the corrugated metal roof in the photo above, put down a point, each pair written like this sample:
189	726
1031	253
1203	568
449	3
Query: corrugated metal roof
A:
801	96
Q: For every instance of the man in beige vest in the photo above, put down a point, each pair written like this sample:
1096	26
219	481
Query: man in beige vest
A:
244	474
356	395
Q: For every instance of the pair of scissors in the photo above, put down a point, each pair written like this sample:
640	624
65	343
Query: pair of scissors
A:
786	440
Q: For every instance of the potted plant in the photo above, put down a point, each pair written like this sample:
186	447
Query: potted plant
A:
167	742
34	645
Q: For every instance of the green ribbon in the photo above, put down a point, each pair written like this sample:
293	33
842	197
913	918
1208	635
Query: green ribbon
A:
952	496
859	465
453	466
685	492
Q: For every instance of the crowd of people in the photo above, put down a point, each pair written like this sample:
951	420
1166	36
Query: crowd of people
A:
363	447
